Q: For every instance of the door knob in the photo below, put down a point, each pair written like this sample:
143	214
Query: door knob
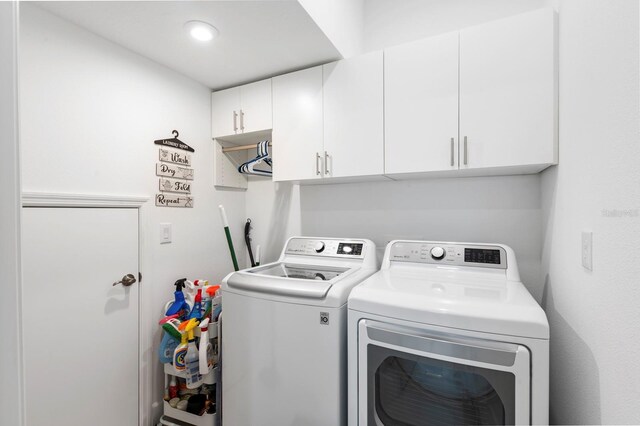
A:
127	280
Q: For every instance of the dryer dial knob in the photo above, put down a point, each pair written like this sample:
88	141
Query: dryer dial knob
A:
438	253
319	247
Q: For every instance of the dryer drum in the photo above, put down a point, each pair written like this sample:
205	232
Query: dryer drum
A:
411	392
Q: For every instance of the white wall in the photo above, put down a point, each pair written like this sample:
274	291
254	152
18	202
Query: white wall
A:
11	401
90	111
595	316
391	22
274	210
501	209
342	21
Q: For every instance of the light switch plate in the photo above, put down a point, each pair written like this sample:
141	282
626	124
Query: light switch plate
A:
587	250
165	233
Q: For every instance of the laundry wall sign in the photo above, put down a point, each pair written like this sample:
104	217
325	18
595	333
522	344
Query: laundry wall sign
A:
176	157
172	185
173	200
174	142
171	171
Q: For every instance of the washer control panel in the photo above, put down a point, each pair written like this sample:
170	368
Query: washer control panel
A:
483	256
326	247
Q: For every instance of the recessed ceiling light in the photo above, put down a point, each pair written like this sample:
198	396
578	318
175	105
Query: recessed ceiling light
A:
201	31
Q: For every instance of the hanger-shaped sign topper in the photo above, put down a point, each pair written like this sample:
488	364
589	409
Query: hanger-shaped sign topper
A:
174	142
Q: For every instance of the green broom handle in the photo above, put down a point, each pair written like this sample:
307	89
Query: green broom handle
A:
225	222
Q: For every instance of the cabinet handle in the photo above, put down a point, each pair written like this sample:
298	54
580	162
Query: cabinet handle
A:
317	164
235	121
465	151
242	120
326	163
452	162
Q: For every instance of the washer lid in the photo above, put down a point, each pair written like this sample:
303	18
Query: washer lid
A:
300	272
288	279
450	297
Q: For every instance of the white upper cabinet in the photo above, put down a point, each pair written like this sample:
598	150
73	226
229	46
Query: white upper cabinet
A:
255	106
225	108
242	109
297	126
508	101
354	117
421	105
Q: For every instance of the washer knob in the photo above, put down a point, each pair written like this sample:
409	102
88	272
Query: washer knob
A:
319	247
438	253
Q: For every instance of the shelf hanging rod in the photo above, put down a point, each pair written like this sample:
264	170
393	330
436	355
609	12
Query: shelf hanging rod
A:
241	148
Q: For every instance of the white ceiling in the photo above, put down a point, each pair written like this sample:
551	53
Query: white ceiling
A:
257	39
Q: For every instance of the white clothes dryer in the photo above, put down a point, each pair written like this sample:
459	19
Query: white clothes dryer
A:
446	333
284	334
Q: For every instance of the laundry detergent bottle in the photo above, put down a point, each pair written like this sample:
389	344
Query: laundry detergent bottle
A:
181	350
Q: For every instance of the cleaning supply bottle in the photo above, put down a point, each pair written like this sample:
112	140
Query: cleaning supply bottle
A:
196	311
167	348
206	348
214	294
192	359
170	339
216	304
181	350
179	305
206	299
173	387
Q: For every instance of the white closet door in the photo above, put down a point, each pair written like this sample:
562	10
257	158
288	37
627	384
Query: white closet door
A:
255	104
297	125
421	105
80	332
508	93
354	116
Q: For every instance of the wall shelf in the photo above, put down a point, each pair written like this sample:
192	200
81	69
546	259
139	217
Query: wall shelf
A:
229	153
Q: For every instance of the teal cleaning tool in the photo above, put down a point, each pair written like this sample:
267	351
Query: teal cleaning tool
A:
180	306
170	338
225	222
167	348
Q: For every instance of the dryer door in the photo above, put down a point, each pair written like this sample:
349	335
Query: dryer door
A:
415	377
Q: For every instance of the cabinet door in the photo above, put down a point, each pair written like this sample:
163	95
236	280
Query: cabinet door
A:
421	105
255	106
297	125
225	110
353	116
508	92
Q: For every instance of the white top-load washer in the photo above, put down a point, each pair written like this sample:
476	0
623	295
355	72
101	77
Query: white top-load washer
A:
446	333
284	327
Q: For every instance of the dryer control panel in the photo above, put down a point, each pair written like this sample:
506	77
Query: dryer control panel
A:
326	247
483	256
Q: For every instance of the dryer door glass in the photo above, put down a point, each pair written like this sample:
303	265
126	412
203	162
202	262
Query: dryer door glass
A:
413	390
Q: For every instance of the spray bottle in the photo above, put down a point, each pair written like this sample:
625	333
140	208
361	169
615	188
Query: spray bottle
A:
215	299
179	306
181	350
216	304
196	312
206	348
192	358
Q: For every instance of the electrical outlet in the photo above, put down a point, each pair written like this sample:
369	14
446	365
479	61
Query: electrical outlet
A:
587	250
165	233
